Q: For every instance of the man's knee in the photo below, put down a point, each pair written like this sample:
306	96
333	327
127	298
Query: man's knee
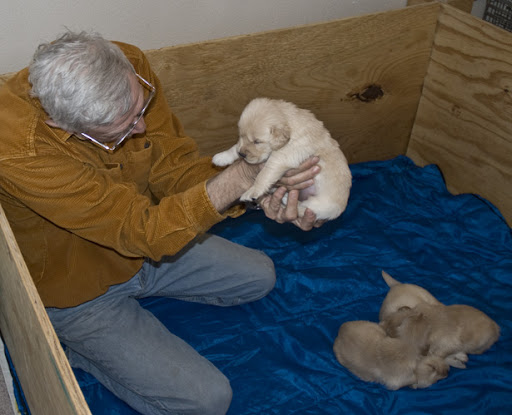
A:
261	278
216	397
268	277
206	394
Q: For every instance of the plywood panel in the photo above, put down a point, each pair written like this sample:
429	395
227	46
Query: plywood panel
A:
464	121
465	5
329	68
44	372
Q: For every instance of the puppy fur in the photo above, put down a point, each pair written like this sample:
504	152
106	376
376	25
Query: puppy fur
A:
454	331
283	136
403	295
409	311
364	348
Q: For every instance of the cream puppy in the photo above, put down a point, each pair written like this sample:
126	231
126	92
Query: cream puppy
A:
403	295
364	348
282	136
454	331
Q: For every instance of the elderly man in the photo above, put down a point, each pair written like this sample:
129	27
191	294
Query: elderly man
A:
110	202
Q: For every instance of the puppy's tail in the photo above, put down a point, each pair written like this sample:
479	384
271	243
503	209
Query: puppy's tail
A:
390	281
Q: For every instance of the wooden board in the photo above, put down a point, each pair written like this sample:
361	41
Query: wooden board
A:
465	5
47	380
464	121
328	68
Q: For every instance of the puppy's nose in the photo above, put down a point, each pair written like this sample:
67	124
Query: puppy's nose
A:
243	155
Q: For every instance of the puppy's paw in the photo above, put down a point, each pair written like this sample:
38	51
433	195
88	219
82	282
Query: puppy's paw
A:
458	360
251	195
223	159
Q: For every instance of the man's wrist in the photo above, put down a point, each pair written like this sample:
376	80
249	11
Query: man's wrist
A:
225	188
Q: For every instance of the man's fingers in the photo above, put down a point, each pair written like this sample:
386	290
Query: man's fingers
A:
277	198
319	223
307	221
274	209
272	205
291	210
301	180
301	177
305	165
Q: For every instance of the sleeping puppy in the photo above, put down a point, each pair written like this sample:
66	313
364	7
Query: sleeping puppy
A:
364	348
453	331
283	136
403	295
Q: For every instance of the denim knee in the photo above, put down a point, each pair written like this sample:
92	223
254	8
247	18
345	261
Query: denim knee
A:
267	274
216	397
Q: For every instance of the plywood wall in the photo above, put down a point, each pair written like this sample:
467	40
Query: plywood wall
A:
464	121
465	5
361	76
47	380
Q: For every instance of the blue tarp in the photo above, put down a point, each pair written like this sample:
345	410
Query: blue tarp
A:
277	352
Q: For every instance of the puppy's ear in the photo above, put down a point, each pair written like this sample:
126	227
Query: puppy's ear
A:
400	320
413	316
281	135
439	368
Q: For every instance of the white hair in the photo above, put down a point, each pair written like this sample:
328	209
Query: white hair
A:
81	81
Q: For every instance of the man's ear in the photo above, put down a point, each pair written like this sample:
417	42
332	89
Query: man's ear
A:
51	123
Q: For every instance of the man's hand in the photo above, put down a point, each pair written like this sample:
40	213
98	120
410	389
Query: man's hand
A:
274	209
301	177
294	180
226	187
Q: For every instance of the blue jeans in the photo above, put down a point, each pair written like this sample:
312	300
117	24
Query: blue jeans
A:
135	356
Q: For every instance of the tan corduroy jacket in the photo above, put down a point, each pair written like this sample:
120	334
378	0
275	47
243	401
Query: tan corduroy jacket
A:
85	219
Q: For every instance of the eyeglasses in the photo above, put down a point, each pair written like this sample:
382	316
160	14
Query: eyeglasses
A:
117	142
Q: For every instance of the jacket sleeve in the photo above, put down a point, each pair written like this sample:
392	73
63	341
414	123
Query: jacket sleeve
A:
93	205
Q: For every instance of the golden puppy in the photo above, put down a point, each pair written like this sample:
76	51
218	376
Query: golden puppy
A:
403	295
282	136
364	348
454	331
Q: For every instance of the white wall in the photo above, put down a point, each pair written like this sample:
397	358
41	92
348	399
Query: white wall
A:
153	24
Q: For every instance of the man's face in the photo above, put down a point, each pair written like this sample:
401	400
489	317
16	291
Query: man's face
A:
120	126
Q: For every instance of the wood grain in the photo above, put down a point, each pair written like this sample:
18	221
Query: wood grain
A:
324	67
464	122
47	380
465	5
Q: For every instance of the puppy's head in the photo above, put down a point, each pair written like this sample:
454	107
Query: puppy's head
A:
429	370
396	324
410	326
263	129
403	295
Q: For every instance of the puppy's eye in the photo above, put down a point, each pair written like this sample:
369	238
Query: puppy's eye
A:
256	142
